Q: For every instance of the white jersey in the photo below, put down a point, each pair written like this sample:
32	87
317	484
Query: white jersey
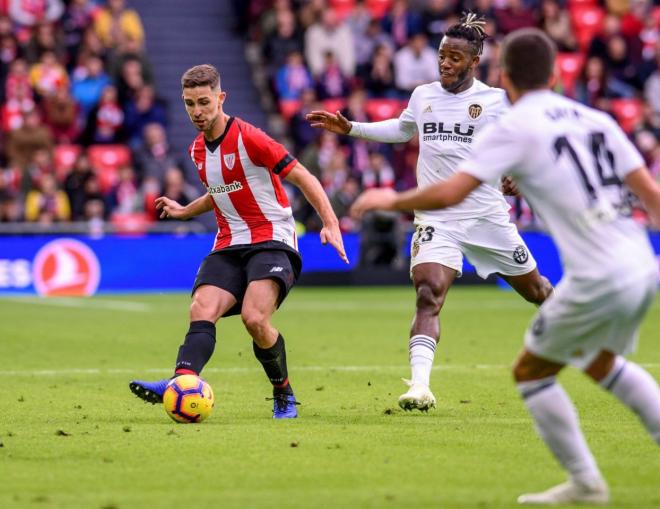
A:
447	125
569	161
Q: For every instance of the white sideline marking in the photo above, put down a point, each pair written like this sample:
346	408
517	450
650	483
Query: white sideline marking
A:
357	369
71	302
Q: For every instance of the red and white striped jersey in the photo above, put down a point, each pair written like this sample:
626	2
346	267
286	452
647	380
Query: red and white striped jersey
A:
242	174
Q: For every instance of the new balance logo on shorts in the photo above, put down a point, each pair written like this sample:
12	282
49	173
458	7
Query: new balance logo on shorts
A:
276	269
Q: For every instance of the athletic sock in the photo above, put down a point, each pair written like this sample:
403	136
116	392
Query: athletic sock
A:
422	351
638	390
273	360
557	423
196	349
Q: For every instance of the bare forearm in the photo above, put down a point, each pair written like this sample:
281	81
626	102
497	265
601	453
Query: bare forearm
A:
429	198
199	206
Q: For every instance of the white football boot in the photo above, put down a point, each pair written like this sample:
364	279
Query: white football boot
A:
419	397
570	492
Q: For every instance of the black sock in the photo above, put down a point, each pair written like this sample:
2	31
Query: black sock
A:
197	348
273	360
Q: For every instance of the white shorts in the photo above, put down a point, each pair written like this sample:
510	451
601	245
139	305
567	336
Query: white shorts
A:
584	317
491	246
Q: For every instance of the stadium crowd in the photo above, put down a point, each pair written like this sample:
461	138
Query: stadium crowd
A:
83	132
365	57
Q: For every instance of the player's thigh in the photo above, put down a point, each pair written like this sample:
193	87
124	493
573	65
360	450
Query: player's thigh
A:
225	272
437	243
276	268
583	318
495	246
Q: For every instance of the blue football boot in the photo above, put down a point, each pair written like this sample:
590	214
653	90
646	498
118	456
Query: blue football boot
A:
284	406
151	392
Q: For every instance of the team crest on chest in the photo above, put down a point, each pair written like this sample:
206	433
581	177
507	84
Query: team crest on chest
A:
475	110
230	159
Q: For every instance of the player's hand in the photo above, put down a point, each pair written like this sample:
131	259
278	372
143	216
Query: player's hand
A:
374	199
332	235
170	208
336	123
509	187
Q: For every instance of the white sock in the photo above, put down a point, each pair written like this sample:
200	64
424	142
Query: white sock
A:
638	390
422	351
557	423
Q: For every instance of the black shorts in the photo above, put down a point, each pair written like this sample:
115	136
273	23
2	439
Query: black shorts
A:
233	268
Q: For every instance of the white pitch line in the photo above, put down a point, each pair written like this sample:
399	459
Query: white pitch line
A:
356	369
84	303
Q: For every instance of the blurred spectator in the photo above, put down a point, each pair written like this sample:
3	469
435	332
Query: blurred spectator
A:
283	42
28	13
293	77
401	22
47	203
330	36
48	75
341	201
17	77
358	22
144	109
14	110
61	115
129	49
611	26
75	186
124	197
45	38
132	77
77	18
302	133
415	64
27	139
652	86
335	172
359	148
595	85
9	52
106	120
514	15
176	187
556	22
10	207
367	43
379	173
89	82
95	213
621	63
379	79
115	22
154	157
436	18
331	83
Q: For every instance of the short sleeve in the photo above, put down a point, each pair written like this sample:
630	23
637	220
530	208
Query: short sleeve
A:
408	115
498	151
626	157
265	151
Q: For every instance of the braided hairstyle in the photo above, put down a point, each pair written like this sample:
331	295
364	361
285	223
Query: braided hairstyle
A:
472	28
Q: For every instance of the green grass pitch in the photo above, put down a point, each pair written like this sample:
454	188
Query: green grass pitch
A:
73	436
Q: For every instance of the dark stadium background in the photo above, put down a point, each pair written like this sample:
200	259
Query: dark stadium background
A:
92	126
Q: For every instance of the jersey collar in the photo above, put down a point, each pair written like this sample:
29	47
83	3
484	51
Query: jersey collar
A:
214	144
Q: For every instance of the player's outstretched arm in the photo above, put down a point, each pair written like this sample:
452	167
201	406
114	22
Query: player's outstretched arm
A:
386	131
313	191
437	196
642	184
173	209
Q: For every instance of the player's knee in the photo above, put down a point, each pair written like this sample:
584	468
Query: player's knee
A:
429	300
255	321
204	309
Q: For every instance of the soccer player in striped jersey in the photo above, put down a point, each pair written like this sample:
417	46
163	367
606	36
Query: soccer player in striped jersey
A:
254	261
576	168
447	115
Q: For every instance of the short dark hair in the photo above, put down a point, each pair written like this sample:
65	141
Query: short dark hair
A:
201	76
472	28
528	58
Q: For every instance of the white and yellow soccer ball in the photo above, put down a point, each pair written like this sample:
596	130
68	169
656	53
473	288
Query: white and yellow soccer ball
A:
188	398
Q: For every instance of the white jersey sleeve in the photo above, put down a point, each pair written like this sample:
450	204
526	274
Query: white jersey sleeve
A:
625	154
393	130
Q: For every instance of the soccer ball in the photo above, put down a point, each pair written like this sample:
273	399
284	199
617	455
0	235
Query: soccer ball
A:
188	398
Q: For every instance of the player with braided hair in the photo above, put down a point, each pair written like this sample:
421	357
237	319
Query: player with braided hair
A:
447	115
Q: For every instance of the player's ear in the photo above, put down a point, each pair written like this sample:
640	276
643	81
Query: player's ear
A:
554	77
221	97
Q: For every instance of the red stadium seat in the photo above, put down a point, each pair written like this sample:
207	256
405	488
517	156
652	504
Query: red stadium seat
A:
64	158
332	105
569	66
107	159
289	107
135	223
378	8
342	8
587	22
581	3
628	112
383	109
